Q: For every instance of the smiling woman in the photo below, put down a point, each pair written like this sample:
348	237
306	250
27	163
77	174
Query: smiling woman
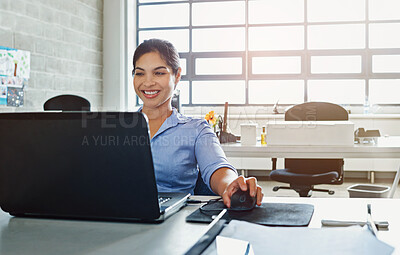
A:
154	81
156	73
181	146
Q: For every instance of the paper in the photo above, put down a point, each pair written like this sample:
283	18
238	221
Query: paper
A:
15	63
14	75
231	246
3	95
15	96
13	81
307	241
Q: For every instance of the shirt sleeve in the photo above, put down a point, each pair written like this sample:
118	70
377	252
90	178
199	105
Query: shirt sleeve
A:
209	154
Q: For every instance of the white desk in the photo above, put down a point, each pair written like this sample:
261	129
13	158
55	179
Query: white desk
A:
387	147
174	236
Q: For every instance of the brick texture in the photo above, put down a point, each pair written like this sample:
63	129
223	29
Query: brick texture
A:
65	39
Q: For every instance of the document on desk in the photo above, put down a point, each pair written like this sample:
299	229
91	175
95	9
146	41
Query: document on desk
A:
231	246
286	240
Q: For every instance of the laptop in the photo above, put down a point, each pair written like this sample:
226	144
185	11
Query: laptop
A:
82	165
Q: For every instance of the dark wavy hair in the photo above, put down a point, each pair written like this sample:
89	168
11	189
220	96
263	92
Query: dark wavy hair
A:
166	50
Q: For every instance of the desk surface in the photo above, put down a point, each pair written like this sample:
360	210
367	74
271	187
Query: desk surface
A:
174	236
386	147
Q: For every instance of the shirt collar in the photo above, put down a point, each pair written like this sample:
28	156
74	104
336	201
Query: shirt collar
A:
180	117
173	120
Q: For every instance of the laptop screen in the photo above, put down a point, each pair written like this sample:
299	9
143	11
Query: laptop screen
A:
91	164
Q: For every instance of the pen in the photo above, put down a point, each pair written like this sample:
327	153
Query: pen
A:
343	223
370	222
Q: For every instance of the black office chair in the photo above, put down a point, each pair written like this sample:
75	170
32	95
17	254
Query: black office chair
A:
303	174
201	188
67	103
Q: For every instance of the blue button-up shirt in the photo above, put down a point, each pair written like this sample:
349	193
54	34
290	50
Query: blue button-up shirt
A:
181	148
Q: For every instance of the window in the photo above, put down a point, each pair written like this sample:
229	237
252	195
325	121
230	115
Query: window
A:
256	52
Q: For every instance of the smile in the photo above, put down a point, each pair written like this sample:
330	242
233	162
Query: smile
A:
150	93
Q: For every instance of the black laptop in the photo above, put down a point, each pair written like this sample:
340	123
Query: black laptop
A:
83	165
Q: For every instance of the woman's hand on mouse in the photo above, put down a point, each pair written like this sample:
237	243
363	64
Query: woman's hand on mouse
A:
244	184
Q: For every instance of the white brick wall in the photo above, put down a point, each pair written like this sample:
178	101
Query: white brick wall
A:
65	38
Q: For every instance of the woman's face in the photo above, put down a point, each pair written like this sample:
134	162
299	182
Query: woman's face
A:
154	81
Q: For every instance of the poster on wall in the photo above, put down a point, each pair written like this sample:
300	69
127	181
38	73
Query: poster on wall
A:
15	62
13	81
14	75
15	96
3	95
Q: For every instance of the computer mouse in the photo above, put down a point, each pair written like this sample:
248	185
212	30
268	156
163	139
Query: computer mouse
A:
242	201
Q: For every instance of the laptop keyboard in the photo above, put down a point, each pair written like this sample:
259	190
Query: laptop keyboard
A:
162	200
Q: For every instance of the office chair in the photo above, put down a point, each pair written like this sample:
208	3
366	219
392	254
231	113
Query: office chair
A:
201	188
303	174
67	103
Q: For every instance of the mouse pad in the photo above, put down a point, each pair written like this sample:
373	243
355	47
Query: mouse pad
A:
269	214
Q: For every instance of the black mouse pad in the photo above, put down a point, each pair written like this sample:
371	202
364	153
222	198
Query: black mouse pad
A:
269	214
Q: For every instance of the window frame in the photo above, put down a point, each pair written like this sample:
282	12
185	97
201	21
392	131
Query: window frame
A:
305	54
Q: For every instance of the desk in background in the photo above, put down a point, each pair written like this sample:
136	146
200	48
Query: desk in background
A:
386	148
174	236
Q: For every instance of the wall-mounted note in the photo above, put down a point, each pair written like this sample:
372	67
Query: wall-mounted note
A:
14	75
15	96
15	62
3	95
13	81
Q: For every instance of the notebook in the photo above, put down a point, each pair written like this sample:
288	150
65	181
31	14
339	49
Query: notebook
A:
84	165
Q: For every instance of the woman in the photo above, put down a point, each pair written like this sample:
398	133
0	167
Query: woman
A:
181	146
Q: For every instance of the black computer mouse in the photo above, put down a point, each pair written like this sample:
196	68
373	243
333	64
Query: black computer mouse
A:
242	201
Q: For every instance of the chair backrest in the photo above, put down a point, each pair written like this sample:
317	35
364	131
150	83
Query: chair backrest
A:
201	188
314	111
67	103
